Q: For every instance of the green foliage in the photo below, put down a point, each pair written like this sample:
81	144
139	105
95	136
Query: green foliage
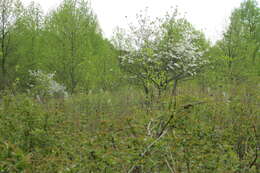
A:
76	49
106	124
13	159
68	40
96	133
158	52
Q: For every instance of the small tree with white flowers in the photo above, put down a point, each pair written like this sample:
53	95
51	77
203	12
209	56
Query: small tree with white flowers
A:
181	50
161	52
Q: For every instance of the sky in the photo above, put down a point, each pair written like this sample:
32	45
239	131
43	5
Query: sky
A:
210	16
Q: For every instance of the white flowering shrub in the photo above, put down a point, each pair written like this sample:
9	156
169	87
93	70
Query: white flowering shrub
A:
43	85
157	52
181	52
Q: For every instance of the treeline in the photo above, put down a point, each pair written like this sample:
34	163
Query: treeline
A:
67	41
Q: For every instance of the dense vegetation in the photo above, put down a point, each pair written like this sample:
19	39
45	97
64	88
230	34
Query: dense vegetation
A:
157	97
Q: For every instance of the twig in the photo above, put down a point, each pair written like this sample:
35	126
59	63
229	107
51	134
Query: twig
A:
256	150
161	134
171	158
154	142
148	148
169	166
190	105
149	129
132	168
166	125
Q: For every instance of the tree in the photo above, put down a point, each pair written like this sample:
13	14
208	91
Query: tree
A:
181	50
240	44
68	31
8	16
75	48
158	52
250	25
27	37
241	40
231	43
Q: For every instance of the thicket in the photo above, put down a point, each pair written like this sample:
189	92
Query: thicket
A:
158	97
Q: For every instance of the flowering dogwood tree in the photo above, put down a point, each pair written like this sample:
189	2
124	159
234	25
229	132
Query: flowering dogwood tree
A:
161	51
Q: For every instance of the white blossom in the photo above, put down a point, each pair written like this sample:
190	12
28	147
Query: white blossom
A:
45	85
151	51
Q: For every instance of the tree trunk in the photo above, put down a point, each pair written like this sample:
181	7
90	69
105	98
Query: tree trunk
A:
254	54
173	95
174	90
3	63
3	82
146	91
